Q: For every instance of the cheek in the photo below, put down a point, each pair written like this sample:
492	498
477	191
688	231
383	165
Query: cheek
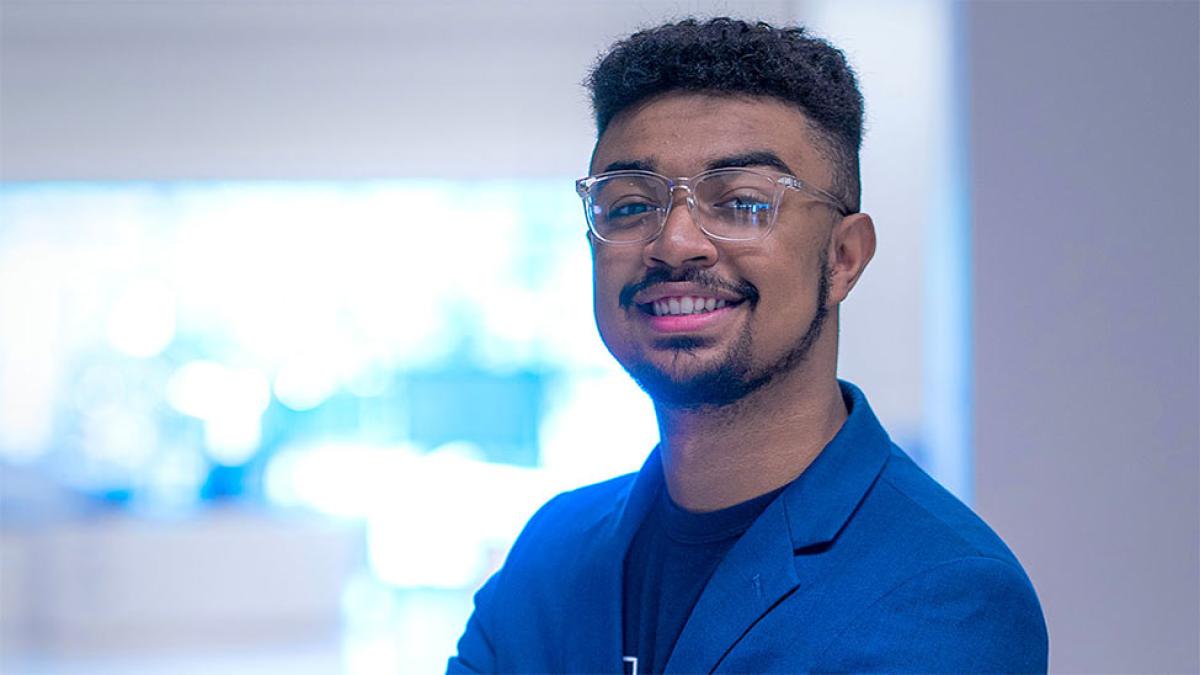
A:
600	307
789	298
606	289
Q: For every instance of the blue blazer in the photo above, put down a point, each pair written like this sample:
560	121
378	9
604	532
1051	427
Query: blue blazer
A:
864	563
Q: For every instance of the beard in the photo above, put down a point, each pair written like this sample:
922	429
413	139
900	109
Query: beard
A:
734	377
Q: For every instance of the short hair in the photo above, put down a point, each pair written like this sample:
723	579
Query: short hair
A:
725	56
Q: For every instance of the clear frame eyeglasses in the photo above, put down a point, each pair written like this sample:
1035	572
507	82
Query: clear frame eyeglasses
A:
731	204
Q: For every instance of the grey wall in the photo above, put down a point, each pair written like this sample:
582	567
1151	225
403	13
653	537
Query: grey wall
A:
1083	127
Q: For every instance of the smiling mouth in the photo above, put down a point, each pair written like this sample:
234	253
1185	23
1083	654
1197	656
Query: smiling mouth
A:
684	305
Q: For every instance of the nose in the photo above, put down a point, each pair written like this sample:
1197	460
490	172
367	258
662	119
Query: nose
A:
681	243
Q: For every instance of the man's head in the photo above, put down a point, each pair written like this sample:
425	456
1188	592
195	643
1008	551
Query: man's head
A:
725	56
697	318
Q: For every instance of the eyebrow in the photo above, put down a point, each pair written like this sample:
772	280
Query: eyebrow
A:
756	158
630	165
749	159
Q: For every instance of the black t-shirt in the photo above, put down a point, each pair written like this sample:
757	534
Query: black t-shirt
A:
668	564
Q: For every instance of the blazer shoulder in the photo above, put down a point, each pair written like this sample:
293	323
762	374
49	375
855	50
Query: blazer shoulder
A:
564	522
973	614
945	527
532	590
947	594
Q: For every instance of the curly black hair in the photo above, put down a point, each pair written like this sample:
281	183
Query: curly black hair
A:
727	56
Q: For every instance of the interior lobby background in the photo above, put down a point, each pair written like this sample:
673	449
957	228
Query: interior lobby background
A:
1038	313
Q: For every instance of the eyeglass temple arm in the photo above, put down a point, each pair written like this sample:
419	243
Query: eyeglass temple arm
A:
800	186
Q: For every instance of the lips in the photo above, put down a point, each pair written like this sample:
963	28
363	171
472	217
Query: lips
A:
683	305
697	301
680	305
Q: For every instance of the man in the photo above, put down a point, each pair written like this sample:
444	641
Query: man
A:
775	528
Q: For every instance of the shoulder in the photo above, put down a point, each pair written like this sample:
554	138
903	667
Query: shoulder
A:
520	608
918	527
929	516
557	535
945	593
971	614
590	502
571	516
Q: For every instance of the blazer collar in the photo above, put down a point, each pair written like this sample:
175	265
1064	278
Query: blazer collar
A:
823	498
632	509
760	569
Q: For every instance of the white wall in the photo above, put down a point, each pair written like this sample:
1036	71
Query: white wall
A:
115	90
108	89
1084	141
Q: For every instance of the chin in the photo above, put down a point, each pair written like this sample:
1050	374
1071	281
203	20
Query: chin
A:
715	388
688	382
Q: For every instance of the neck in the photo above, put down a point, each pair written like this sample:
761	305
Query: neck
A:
714	458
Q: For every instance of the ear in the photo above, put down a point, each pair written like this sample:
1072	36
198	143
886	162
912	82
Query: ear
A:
851	247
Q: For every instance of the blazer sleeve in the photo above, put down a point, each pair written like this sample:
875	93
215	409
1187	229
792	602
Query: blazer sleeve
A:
475	651
970	615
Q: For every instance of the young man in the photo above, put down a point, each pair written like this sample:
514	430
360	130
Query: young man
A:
775	528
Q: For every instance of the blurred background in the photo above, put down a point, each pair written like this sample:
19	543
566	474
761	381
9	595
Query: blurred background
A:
295	312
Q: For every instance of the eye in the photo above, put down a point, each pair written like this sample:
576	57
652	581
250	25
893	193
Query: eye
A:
747	203
630	210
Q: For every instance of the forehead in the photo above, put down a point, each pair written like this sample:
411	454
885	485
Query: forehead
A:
681	134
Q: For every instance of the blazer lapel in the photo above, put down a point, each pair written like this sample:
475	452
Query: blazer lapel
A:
756	573
592	615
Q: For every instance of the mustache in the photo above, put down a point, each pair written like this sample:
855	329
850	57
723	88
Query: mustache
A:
693	275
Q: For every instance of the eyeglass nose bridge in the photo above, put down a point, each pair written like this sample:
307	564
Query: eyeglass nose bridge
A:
685	184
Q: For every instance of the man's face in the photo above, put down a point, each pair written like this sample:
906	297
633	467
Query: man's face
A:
773	290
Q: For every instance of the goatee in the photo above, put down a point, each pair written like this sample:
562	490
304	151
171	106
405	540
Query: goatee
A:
734	378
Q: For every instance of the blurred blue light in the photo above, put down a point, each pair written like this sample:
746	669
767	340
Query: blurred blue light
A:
182	341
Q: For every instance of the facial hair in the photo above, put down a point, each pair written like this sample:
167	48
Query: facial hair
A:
734	377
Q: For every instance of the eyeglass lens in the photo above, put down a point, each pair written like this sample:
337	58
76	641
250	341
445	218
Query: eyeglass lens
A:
728	204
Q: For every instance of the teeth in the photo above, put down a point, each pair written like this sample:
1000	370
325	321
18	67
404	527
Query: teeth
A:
685	305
